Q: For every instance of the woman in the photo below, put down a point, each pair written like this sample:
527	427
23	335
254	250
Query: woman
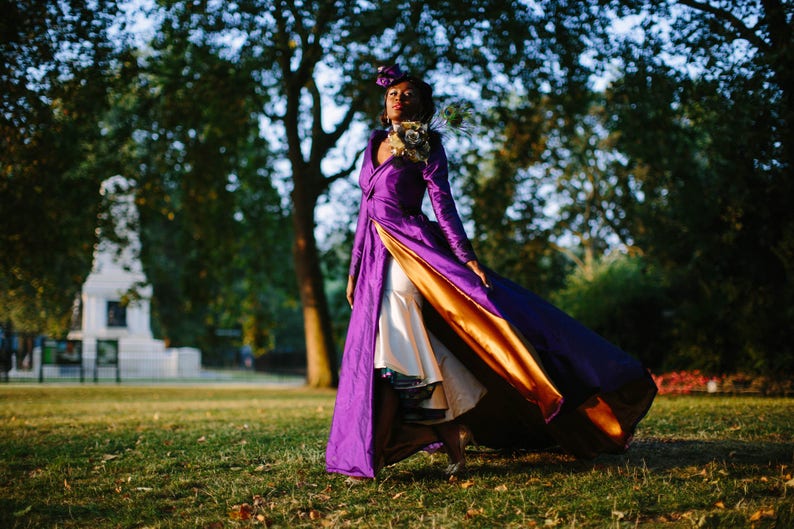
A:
439	349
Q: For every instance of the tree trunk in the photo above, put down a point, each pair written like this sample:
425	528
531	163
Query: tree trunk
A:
320	354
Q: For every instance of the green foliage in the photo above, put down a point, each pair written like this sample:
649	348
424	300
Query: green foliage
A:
221	457
684	159
622	299
57	67
214	234
715	193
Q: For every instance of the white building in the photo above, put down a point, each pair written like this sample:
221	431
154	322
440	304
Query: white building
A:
115	303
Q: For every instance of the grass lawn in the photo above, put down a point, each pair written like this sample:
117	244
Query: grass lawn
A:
225	457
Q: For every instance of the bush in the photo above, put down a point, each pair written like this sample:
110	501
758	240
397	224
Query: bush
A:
623	300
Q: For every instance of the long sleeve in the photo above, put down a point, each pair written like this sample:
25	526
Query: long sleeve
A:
436	175
358	240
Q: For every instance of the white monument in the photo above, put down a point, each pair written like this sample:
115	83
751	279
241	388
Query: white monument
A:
116	304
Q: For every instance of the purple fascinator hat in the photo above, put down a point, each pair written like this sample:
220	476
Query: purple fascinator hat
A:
389	75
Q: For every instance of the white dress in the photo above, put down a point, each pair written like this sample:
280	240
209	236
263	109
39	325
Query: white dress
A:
405	346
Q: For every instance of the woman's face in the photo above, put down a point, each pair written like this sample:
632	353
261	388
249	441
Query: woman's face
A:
403	102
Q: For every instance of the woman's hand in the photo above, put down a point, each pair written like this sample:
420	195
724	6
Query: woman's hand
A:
475	267
351	286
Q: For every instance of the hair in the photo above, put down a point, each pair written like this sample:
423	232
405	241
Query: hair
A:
425	94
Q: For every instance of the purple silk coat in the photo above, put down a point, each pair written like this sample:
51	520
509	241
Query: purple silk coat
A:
568	386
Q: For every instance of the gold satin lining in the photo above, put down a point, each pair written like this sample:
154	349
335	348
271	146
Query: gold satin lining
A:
601	415
496	341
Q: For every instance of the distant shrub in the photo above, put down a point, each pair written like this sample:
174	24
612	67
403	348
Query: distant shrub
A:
622	299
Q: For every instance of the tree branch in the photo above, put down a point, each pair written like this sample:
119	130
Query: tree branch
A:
343	173
742	30
569	254
344	125
779	30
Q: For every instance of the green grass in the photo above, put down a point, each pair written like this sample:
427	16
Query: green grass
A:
224	457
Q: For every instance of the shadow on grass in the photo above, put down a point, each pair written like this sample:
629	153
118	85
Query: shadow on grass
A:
653	454
93	514
666	454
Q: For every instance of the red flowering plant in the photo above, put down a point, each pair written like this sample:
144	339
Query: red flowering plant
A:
685	382
688	382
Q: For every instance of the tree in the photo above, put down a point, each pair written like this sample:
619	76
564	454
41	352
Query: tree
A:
212	224
310	57
623	299
58	64
716	194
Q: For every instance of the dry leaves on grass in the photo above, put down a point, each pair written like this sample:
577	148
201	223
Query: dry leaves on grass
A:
311	514
247	511
241	512
762	514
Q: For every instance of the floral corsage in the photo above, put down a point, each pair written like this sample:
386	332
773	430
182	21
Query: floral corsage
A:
410	140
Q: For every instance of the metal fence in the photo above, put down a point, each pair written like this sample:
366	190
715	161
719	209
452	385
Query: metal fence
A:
37	359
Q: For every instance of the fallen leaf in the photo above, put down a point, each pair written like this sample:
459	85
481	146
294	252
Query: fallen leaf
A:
397	495
466	484
240	512
143	489
501	488
719	505
314	514
762	513
109	457
201	439
789	483
322	497
66	485
471	513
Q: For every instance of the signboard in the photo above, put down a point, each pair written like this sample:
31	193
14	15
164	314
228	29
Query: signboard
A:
107	353
63	352
66	354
